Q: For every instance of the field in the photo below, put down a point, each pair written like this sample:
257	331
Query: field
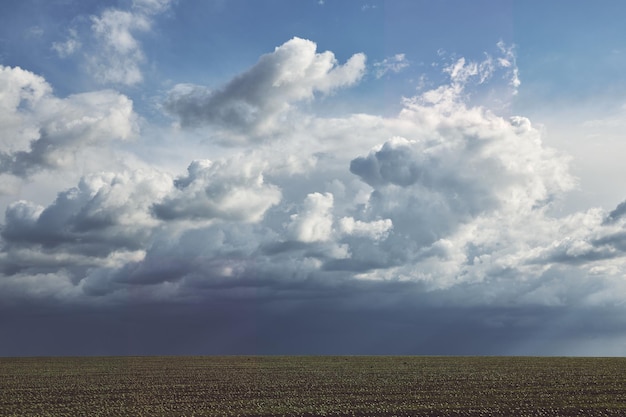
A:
312	385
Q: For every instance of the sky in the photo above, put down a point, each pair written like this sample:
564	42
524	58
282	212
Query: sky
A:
184	177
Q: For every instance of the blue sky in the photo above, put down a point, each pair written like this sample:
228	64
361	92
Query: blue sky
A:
305	177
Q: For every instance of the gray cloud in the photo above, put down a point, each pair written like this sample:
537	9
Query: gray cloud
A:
104	214
254	101
590	239
48	132
616	214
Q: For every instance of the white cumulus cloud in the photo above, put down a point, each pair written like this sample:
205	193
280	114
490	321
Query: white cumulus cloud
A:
232	189
377	229
314	222
42	131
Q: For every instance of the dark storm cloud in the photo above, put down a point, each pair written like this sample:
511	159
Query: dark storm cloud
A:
339	322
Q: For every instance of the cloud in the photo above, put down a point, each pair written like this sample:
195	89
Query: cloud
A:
255	101
69	47
151	7
21	92
508	61
451	169
465	73
105	213
593	240
314	223
110	45
121	57
616	214
47	132
229	190
393	64
34	32
378	229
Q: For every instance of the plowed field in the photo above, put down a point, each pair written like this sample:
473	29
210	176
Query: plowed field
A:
308	386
